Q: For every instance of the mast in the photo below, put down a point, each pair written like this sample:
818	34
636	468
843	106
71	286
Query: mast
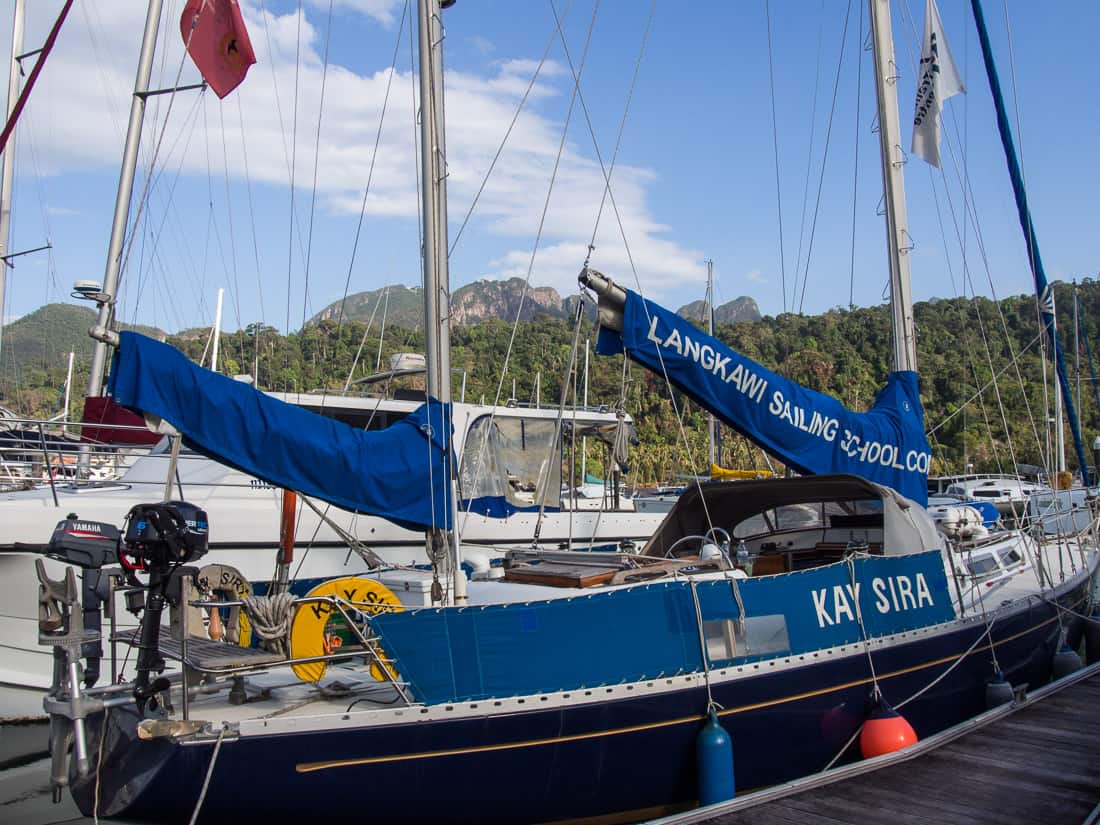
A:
893	158
1059	429
68	387
217	332
584	439
8	174
1030	240
710	332
437	316
1077	346
122	200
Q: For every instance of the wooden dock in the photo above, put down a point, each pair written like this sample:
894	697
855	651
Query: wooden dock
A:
1037	761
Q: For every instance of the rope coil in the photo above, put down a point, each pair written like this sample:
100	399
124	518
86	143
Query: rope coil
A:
271	617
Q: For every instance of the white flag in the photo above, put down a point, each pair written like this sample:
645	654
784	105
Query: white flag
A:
939	80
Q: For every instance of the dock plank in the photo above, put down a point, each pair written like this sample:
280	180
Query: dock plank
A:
1039	764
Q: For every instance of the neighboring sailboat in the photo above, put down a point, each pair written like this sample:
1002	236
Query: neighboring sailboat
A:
577	687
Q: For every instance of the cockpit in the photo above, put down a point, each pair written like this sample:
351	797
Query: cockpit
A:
770	526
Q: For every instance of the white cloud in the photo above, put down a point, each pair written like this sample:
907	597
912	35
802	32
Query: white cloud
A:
384	11
483	45
90	79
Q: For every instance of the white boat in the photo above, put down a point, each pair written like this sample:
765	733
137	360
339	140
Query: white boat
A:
660	501
499	476
1009	494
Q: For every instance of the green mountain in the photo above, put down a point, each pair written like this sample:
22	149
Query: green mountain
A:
470	304
402	306
45	338
739	309
35	356
964	346
493	300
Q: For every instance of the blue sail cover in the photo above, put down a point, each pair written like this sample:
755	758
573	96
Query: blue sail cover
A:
399	473
807	430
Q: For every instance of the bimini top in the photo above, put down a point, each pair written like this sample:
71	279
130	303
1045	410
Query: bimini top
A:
906	525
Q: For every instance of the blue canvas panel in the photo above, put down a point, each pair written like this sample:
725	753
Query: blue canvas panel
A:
895	593
399	473
650	631
807	430
497	507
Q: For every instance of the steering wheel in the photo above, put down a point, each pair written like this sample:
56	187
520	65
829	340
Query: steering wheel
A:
712	535
675	552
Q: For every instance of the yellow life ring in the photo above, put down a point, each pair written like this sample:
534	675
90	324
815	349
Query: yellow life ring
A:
228	583
318	628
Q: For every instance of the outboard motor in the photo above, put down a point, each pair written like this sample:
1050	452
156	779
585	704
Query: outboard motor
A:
91	546
159	539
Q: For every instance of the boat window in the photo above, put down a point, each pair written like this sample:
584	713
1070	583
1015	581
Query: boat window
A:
361	419
1010	556
982	565
763	635
512	457
811	515
787	517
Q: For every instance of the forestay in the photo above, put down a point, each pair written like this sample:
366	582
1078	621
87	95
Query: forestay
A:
807	430
399	473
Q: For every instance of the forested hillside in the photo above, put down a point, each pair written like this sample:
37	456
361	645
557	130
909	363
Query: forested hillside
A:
35	356
844	353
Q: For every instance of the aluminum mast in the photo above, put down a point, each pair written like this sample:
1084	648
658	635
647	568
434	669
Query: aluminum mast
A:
893	158
437	291
122	200
8	173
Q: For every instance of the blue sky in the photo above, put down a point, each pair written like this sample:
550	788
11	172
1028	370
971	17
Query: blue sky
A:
695	175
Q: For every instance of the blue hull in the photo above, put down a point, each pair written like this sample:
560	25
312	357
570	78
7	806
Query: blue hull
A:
626	758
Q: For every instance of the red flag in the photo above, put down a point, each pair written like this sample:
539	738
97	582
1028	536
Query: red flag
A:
214	34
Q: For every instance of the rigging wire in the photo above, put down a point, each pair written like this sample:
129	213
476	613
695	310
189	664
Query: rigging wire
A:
855	161
622	125
824	159
634	271
316	163
969	201
188	127
1037	340
809	156
374	158
970	211
775	153
542	218
293	163
853	387
143	198
507	134
362	343
255	245
235	292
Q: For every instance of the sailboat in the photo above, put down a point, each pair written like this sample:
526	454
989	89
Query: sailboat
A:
578	688
509	459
